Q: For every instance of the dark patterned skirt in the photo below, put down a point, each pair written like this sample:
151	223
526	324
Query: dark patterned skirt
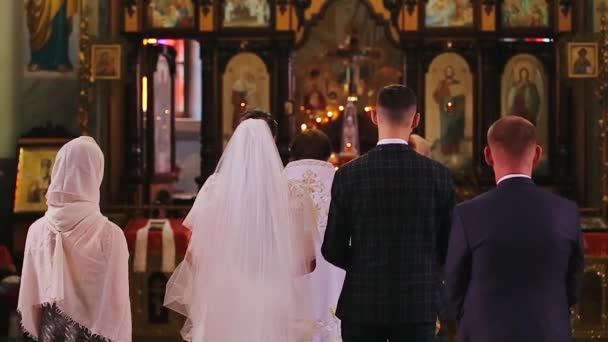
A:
55	326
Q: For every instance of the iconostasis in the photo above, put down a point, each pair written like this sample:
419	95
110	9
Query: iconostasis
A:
470	62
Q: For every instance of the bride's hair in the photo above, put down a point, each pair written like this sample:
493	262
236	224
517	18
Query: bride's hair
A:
262	115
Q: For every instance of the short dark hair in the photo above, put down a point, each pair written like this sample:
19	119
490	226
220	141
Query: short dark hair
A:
513	134
311	144
396	100
262	115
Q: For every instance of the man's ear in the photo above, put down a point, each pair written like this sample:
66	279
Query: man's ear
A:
538	155
415	121
375	117
487	153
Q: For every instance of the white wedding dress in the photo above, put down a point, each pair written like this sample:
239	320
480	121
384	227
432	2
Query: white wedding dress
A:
252	243
326	281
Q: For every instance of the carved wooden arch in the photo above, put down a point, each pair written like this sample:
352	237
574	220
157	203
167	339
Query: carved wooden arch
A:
374	10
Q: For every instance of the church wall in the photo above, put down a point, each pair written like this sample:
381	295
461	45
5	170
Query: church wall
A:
9	104
8	78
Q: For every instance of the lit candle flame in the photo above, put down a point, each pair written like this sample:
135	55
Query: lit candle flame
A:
144	94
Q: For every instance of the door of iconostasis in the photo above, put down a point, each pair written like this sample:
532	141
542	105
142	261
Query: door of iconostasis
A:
346	54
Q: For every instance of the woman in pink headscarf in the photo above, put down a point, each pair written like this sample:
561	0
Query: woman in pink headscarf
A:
74	285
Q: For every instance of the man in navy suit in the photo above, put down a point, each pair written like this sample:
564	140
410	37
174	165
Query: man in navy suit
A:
515	257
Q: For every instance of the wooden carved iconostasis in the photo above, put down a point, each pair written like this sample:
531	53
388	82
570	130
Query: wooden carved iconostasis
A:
470	62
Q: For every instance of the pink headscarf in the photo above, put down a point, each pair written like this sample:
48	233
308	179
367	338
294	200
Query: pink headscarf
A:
75	257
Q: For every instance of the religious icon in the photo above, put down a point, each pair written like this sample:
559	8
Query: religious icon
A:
524	99
524	93
36	191
449	13
315	98
450	98
171	13
244	94
163	117
246	85
350	131
50	25
36	160
582	60
525	13
106	61
600	9
246	13
449	110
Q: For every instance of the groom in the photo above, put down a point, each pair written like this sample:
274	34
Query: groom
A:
388	227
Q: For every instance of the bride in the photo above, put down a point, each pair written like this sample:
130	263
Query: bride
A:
252	241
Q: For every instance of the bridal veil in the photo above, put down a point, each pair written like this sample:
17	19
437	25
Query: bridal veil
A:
252	242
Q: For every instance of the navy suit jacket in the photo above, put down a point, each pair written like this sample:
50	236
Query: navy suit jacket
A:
514	265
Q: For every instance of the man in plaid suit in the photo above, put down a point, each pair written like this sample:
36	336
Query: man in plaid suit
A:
388	227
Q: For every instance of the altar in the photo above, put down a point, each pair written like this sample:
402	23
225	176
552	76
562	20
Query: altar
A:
156	247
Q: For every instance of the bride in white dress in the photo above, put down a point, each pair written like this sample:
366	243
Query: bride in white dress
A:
252	241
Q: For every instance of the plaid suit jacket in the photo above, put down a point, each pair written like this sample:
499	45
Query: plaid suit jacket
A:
388	227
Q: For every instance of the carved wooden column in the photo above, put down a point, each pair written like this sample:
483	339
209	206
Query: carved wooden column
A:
602	94
413	74
211	120
116	131
488	100
134	161
283	49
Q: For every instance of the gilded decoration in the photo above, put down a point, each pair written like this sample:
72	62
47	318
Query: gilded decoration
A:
602	95
590	320
312	183
84	72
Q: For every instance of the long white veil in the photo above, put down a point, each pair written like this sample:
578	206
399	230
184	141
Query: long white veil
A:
242	279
